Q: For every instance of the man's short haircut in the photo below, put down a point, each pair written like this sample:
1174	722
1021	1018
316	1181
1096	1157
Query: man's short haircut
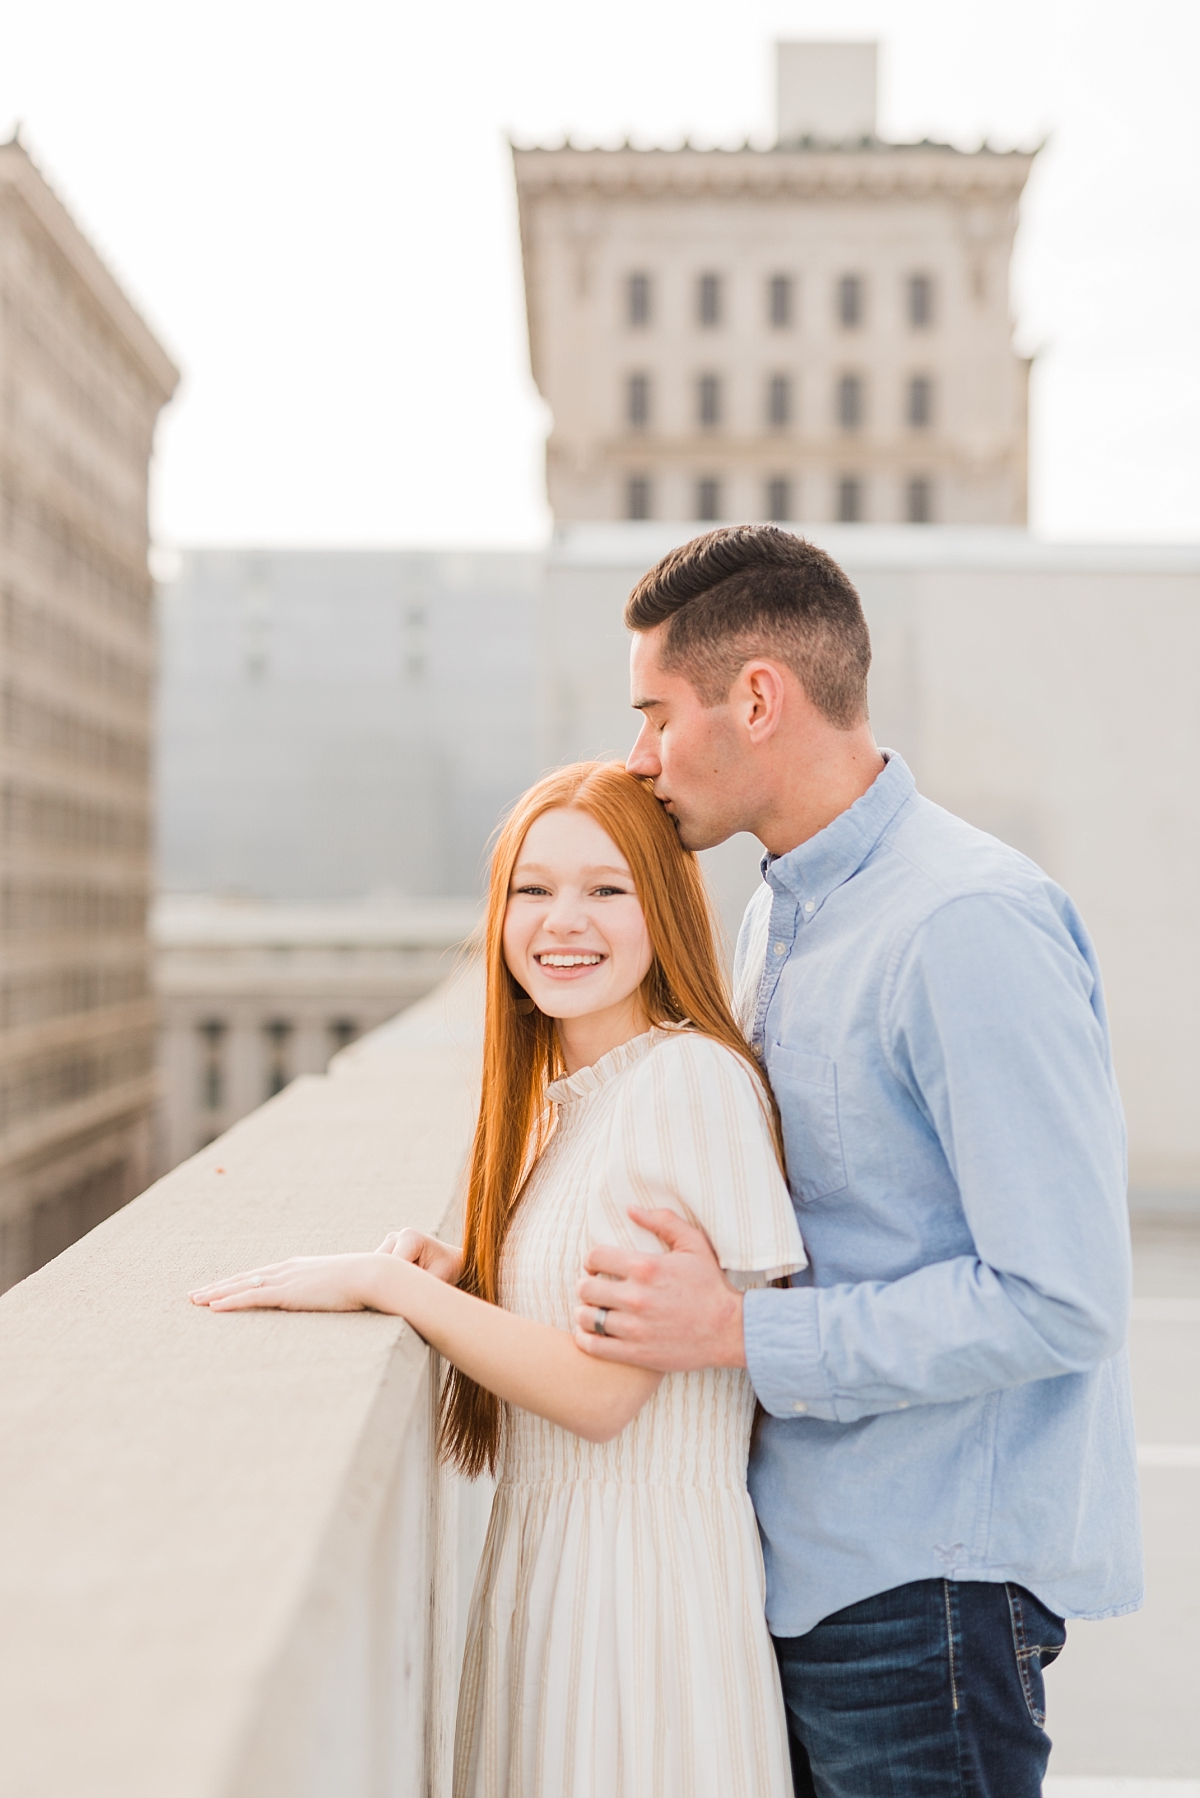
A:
750	590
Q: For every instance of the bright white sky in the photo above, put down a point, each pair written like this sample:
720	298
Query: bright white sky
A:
313	206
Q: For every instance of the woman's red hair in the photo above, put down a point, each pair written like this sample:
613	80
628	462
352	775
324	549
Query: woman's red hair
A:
685	985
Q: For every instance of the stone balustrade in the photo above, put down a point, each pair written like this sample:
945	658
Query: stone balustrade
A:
229	1566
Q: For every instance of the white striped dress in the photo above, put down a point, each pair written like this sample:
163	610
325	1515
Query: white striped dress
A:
617	1646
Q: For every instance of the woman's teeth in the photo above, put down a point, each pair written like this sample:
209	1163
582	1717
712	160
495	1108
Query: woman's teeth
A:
568	961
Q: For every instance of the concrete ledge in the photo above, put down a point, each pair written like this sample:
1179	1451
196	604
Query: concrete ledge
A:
226	1563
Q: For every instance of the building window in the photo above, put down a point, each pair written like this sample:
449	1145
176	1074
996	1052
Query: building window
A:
637	496
637	299
850	500
920	301
779	401
708	299
212	1069
708	499
342	1033
779	499
779	300
708	400
850	301
850	405
919	498
637	401
279	1035
920	402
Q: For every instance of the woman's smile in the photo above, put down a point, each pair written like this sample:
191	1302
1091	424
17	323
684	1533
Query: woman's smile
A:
560	961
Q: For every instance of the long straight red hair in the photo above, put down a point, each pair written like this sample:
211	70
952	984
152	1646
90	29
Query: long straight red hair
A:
685	985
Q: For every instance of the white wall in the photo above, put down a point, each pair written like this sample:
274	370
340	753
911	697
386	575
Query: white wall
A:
1045	692
335	723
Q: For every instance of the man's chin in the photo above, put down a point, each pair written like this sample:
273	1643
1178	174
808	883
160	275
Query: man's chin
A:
695	837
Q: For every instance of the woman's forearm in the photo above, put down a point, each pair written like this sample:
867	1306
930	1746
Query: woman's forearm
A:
531	1365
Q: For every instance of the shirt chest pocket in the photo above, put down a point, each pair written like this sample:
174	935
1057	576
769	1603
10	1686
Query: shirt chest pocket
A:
806	1088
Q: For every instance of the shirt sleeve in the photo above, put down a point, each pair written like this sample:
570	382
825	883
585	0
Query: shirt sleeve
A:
692	1136
995	1027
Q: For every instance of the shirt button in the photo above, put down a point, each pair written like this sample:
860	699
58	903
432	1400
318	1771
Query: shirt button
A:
810	905
799	1405
781	948
903	1405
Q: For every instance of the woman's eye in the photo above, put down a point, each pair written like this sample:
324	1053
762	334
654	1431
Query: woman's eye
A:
610	892
532	892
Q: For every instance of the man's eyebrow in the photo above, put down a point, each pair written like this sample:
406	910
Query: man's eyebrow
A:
644	705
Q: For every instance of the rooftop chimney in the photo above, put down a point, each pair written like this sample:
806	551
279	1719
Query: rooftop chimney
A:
826	91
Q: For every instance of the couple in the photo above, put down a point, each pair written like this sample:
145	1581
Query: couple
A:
880	1199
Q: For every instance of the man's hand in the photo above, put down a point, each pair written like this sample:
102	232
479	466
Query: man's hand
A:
675	1312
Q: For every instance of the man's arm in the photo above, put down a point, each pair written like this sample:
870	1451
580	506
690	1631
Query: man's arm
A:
995	1030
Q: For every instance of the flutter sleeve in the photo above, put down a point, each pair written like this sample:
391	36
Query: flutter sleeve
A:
692	1136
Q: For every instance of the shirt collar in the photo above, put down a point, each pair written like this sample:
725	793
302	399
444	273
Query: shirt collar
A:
811	871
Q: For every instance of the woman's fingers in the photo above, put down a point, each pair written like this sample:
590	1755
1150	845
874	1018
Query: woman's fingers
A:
254	1278
249	1298
306	1283
438	1258
408	1244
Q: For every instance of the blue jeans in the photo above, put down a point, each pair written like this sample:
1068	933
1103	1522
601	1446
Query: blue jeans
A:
932	1690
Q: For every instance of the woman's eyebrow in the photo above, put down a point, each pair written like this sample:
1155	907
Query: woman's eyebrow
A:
526	868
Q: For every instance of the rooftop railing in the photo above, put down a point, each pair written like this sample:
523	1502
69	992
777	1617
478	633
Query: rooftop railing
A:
229	1564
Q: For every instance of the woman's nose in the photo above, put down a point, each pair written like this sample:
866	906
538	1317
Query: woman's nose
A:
565	915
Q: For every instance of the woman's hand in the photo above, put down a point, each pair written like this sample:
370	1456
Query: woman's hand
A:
441	1259
307	1283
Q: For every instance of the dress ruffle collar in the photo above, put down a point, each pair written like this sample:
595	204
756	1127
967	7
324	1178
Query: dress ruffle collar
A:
587	1081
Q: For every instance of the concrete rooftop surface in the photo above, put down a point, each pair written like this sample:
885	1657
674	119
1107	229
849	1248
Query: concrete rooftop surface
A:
1123	1700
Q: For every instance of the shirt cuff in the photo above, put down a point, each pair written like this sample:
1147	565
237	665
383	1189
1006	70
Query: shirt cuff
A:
783	1352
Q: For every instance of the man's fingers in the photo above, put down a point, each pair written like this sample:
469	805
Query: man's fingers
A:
612	1348
601	1348
601	1294
670	1228
588	1316
607	1258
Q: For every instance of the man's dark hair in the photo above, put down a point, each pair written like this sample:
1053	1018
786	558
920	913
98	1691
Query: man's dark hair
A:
753	590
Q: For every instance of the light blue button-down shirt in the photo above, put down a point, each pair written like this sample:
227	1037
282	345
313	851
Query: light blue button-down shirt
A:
946	1384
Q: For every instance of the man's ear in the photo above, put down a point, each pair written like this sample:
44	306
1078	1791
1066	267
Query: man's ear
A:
758	698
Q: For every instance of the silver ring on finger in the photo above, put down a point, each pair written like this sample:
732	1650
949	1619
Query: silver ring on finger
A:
600	1327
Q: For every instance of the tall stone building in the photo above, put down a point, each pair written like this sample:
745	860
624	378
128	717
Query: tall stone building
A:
81	383
819	330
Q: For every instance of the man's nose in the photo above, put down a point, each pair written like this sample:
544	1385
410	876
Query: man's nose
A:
643	757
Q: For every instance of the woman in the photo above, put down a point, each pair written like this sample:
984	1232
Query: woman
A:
617	1646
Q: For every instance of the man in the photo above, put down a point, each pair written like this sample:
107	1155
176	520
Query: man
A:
946	1470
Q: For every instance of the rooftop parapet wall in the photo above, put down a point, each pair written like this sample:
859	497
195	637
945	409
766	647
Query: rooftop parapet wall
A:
228	1566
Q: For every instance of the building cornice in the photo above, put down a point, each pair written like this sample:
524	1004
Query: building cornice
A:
868	170
21	176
